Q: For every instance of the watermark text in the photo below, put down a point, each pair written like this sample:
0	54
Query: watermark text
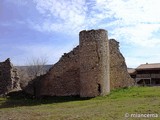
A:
141	115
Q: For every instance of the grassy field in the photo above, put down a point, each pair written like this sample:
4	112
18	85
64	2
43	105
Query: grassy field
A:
135	100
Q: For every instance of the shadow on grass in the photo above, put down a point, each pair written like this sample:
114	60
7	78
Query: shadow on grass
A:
17	99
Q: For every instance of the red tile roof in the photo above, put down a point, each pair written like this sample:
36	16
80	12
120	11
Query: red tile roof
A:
148	66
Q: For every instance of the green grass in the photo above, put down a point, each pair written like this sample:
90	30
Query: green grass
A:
141	100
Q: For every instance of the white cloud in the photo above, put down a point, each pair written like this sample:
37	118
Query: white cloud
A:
131	11
133	22
65	15
135	19
136	23
140	34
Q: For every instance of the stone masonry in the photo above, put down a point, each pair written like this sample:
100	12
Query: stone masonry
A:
91	69
118	70
94	63
9	79
61	80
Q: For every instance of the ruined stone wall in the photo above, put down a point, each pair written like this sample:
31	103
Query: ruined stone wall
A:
63	78
94	63
86	70
9	79
118	70
30	72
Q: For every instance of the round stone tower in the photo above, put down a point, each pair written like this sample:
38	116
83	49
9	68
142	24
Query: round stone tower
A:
94	63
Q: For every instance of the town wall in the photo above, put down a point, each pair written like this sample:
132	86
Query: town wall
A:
9	79
118	69
62	79
94	63
91	69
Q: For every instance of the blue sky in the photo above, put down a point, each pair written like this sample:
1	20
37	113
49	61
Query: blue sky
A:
36	28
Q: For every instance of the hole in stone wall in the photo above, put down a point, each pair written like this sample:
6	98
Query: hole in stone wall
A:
99	88
0	73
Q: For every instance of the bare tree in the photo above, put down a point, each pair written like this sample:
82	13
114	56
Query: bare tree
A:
33	68
36	67
24	78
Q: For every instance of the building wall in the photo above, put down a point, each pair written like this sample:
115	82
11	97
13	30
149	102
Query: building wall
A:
148	77
9	79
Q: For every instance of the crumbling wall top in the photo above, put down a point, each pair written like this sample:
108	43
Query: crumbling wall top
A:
89	35
92	31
